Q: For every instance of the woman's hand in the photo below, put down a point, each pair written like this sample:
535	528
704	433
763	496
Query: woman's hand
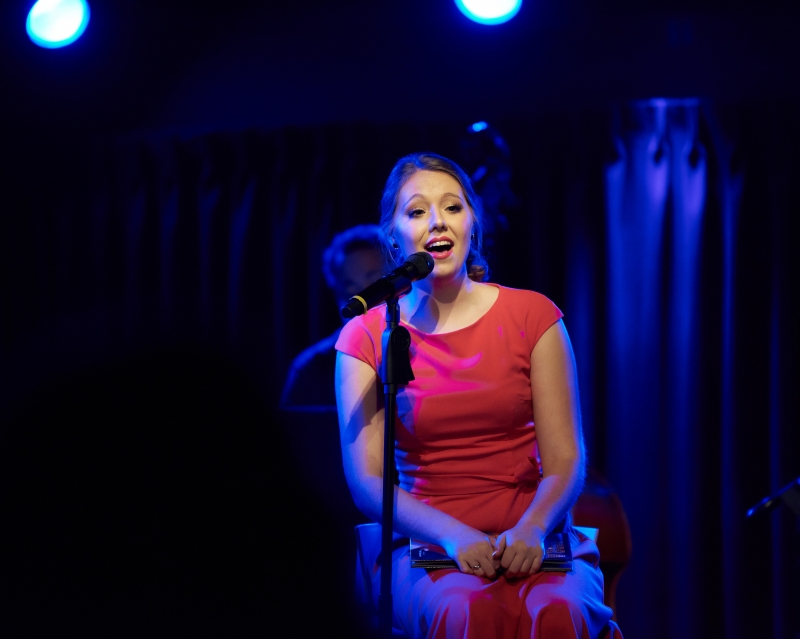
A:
473	552
521	550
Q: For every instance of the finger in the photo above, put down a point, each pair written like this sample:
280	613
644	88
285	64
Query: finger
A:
537	562
525	568
500	546
509	553
487	567
496	564
474	567
515	568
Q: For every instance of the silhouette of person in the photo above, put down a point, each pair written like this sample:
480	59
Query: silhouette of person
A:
352	262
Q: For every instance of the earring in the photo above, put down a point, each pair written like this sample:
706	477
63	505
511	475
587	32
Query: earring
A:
394	243
472	237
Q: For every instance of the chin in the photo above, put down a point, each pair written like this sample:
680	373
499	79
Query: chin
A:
446	271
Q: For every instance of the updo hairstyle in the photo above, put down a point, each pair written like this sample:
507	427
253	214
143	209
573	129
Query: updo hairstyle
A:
477	268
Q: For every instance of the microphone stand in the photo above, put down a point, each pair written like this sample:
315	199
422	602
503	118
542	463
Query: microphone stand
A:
395	371
789	496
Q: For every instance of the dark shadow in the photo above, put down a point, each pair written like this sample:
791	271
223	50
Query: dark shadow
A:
155	497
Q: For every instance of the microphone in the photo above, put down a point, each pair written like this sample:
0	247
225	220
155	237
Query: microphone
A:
417	267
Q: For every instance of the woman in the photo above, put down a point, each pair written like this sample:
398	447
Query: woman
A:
475	475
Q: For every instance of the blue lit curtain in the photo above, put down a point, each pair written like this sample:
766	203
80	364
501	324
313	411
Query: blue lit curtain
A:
665	230
693	361
656	192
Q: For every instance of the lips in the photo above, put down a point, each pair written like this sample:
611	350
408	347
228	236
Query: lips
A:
440	247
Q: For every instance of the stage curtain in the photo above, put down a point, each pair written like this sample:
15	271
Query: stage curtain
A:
665	230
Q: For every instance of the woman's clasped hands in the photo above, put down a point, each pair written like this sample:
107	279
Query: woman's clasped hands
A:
518	552
473	552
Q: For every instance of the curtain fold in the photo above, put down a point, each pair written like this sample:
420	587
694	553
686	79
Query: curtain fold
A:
657	192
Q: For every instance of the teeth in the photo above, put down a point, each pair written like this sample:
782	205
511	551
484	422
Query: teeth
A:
438	244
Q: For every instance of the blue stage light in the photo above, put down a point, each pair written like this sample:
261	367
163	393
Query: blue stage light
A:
479	126
57	23
489	11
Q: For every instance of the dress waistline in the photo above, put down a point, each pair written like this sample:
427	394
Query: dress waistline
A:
527	473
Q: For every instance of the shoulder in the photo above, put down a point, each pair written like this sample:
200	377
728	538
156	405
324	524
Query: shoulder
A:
528	312
307	383
525	301
370	323
322	348
361	336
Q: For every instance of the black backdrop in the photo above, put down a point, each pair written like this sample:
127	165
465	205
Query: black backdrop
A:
688	375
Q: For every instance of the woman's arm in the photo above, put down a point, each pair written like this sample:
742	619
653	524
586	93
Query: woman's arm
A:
361	429
556	414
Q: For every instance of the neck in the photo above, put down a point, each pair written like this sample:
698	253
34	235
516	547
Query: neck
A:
433	297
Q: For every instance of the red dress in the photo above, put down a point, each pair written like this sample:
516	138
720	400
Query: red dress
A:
466	444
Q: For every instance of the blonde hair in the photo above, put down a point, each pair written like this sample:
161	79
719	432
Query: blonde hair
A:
477	268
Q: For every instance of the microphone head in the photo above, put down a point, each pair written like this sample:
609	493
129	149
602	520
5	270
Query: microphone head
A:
355	306
416	267
419	265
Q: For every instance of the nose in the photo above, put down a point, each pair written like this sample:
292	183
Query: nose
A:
437	220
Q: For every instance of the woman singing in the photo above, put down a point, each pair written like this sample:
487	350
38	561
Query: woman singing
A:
489	446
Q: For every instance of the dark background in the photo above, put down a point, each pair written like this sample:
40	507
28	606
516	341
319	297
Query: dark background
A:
170	180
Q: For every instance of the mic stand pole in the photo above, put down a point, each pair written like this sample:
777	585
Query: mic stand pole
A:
395	371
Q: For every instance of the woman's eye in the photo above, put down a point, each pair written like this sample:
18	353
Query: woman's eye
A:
455	208
416	212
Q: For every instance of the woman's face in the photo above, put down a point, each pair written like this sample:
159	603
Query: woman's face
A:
432	215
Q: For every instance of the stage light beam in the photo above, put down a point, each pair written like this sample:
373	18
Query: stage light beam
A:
56	23
489	11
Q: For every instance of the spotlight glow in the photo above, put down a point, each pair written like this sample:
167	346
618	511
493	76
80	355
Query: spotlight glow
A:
479	126
489	11
56	23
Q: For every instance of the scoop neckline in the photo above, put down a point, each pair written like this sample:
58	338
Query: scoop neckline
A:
463	328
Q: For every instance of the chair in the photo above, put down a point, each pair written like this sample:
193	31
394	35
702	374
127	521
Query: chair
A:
599	506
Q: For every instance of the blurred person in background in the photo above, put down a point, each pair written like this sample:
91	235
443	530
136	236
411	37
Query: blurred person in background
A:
351	263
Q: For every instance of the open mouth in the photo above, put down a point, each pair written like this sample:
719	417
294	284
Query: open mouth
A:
440	246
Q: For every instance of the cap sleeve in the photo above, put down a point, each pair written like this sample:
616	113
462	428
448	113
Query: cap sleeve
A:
358	340
542	314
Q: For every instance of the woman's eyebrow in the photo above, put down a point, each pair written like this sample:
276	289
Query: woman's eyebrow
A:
411	198
444	195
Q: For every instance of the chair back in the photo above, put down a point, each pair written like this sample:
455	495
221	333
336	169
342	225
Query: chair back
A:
599	506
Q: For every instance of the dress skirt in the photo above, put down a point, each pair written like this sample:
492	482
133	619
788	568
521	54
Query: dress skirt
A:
447	604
